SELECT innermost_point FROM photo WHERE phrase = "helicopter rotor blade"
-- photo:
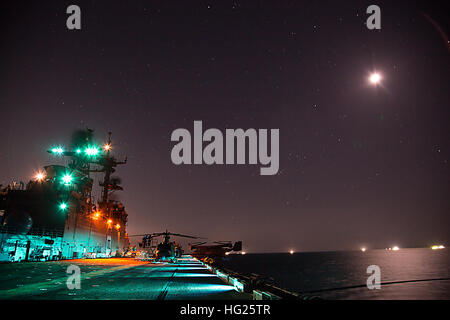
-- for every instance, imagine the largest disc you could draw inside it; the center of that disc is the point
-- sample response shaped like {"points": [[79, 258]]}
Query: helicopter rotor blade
{"points": [[199, 243], [184, 235], [140, 235], [158, 234]]}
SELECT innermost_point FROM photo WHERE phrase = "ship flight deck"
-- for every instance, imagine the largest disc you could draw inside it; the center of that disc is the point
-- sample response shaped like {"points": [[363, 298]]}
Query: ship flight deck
{"points": [[116, 279]]}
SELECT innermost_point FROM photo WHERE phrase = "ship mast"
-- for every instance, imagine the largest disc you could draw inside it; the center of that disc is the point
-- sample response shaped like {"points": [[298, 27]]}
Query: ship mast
{"points": [[89, 159], [108, 172], [108, 163]]}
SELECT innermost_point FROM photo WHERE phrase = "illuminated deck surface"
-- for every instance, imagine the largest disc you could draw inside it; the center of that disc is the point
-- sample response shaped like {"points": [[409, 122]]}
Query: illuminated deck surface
{"points": [[115, 278]]}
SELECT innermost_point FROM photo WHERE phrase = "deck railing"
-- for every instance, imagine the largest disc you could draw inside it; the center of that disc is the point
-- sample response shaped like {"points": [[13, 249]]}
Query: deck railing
{"points": [[42, 232]]}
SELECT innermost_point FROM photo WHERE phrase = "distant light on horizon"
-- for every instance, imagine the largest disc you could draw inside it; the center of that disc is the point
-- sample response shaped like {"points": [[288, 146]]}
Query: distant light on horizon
{"points": [[291, 251], [375, 78], [243, 252], [395, 248], [363, 249], [437, 247]]}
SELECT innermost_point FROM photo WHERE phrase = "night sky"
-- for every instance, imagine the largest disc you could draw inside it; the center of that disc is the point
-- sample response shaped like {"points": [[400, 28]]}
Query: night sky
{"points": [[360, 165]]}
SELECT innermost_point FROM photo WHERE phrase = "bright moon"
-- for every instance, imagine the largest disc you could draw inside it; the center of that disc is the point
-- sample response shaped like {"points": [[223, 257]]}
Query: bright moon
{"points": [[375, 78]]}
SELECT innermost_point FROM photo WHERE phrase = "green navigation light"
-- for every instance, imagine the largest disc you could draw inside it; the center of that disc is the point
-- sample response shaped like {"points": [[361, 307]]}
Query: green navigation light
{"points": [[91, 151], [63, 206], [58, 150], [78, 151], [67, 178]]}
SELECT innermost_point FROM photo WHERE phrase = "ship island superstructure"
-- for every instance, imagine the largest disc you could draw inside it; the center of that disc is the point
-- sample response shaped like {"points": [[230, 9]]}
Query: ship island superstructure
{"points": [[54, 215]]}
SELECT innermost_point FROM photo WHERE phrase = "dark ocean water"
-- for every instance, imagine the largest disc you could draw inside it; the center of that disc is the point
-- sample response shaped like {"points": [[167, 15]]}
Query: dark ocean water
{"points": [[312, 271]]}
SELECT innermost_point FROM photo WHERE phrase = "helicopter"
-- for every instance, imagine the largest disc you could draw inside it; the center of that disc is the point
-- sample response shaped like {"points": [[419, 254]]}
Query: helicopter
{"points": [[218, 250], [166, 250]]}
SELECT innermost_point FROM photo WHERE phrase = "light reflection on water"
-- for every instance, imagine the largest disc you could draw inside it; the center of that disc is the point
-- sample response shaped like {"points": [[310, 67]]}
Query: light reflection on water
{"points": [[304, 272]]}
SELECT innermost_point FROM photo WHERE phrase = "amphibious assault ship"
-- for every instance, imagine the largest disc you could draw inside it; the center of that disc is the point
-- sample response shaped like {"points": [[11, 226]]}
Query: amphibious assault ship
{"points": [[54, 215]]}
